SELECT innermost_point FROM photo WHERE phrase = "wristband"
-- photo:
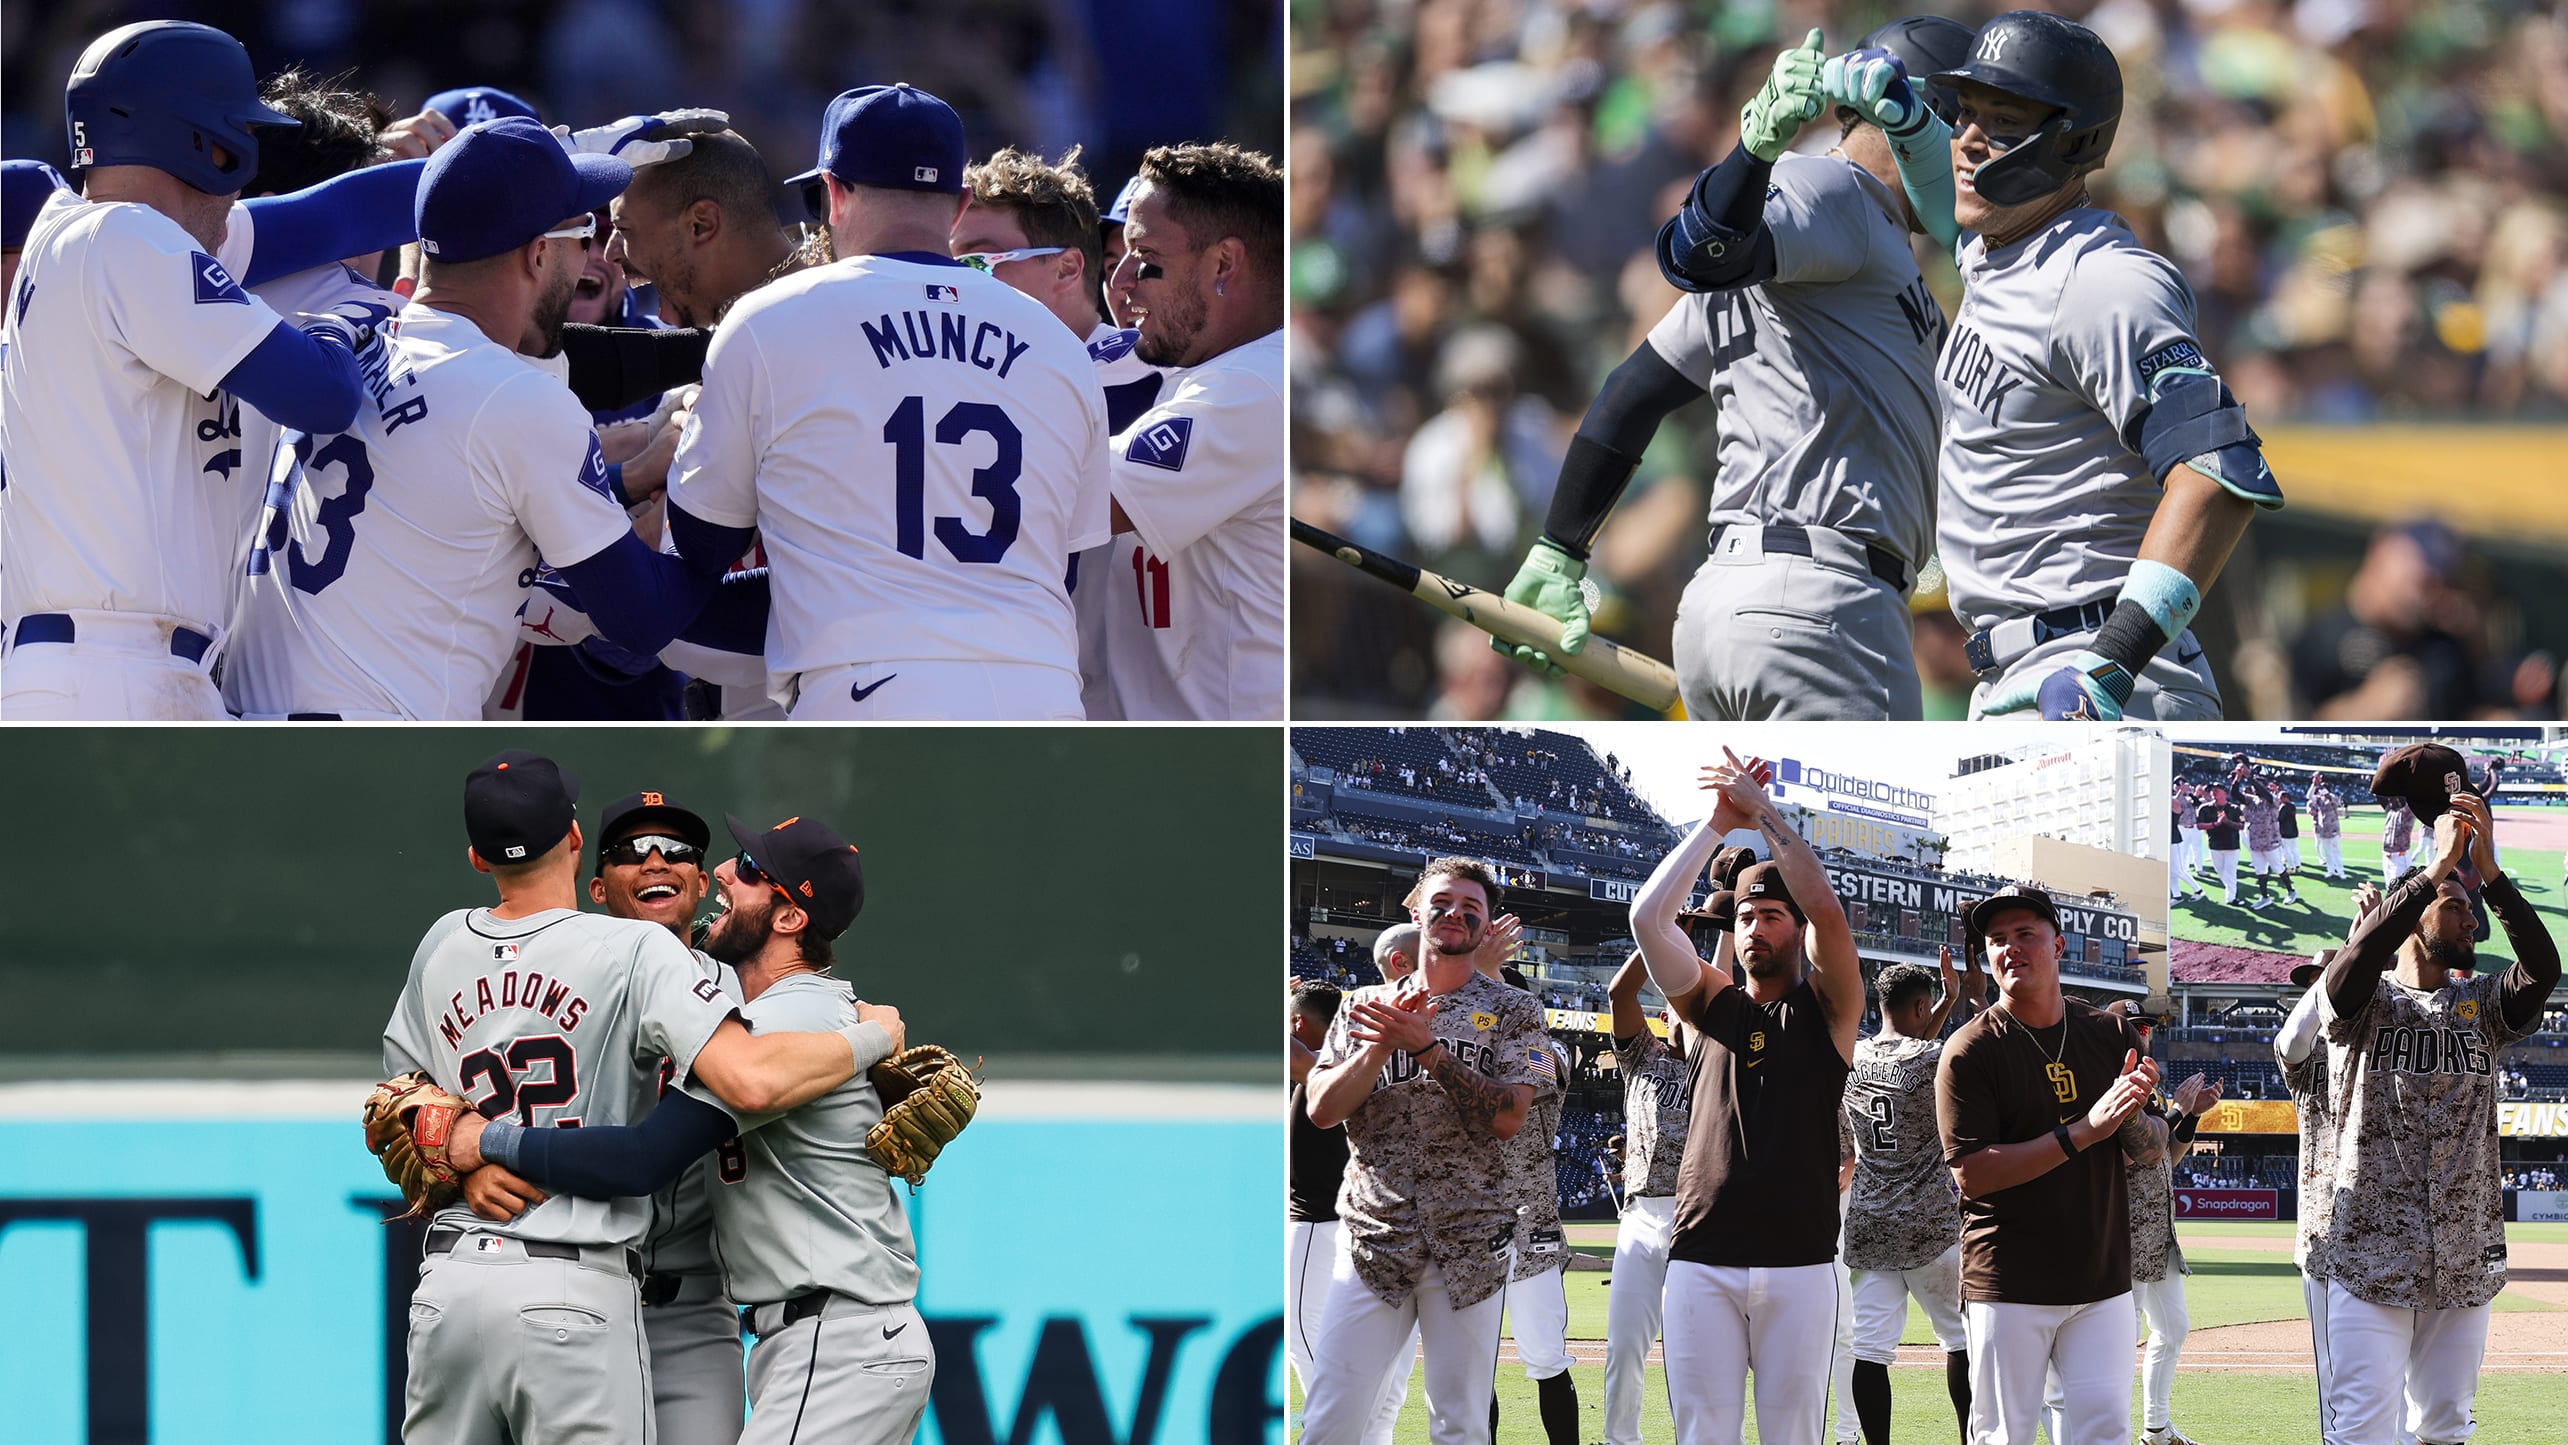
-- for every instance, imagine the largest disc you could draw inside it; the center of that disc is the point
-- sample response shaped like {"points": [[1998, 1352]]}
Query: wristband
{"points": [[498, 1143], [2183, 1133], [615, 484], [2068, 1146]]}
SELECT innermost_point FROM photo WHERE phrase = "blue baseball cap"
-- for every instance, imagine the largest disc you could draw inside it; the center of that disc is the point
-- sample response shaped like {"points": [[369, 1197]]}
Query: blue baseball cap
{"points": [[500, 184], [25, 186], [1121, 210], [893, 136], [474, 104]]}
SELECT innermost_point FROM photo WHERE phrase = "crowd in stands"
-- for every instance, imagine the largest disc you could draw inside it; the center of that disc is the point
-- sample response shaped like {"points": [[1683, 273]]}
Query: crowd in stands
{"points": [[2530, 1177]]}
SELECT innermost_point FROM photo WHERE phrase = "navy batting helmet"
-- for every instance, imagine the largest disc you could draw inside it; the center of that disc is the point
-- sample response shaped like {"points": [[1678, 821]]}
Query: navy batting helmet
{"points": [[2065, 66], [1926, 45], [166, 94]]}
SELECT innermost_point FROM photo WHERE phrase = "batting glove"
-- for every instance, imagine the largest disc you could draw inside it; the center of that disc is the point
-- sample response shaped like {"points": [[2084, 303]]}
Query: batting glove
{"points": [[2089, 687], [1548, 582], [1874, 84], [1769, 121], [355, 323], [644, 140]]}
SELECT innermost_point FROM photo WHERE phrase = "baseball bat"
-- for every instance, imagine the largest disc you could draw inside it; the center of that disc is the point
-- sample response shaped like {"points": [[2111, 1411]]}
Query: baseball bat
{"points": [[1636, 675]]}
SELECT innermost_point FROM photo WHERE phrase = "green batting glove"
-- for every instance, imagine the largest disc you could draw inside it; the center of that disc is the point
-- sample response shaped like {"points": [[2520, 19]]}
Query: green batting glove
{"points": [[1792, 95], [1548, 583]]}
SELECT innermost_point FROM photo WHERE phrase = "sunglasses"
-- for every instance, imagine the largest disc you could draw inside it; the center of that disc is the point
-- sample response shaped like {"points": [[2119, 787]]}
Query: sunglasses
{"points": [[988, 260], [746, 869], [583, 231], [673, 851]]}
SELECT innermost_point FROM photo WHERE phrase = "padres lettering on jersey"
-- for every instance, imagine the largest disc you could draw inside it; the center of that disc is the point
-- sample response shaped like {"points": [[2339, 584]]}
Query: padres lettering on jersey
{"points": [[1657, 1108]]}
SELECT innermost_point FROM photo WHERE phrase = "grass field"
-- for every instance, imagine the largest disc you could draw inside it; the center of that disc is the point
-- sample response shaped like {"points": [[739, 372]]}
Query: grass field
{"points": [[2326, 908], [2218, 1407]]}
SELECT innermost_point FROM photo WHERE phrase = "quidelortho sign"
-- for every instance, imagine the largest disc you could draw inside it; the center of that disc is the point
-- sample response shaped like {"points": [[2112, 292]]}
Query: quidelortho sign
{"points": [[1790, 773], [232, 1279]]}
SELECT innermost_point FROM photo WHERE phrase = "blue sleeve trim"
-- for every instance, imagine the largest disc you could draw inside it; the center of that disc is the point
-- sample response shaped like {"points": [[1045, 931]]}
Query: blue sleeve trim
{"points": [[736, 619], [349, 215], [1718, 240], [618, 1162], [708, 547], [638, 598], [303, 381]]}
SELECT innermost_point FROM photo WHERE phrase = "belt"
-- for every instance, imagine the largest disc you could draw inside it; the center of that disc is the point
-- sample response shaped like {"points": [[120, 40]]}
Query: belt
{"points": [[442, 1240], [666, 1289], [311, 717], [184, 642], [797, 1309], [1996, 647], [1795, 539]]}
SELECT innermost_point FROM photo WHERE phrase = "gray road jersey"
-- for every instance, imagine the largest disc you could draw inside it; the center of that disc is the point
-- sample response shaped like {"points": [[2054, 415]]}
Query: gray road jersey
{"points": [[1902, 1211], [1656, 1108], [681, 1237], [1823, 376], [810, 1208], [2044, 501], [2417, 1221], [2307, 1081], [555, 1019], [1533, 1187]]}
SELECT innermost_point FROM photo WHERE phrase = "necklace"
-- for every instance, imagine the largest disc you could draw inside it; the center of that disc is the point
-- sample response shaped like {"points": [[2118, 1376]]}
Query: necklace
{"points": [[2064, 1080]]}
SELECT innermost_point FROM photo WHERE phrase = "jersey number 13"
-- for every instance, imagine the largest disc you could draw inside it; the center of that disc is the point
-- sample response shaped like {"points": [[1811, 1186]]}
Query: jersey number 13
{"points": [[994, 484]]}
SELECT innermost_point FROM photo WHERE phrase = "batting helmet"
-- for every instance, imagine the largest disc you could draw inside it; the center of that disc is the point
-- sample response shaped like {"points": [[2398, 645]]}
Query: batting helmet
{"points": [[1926, 45], [2065, 66], [166, 94]]}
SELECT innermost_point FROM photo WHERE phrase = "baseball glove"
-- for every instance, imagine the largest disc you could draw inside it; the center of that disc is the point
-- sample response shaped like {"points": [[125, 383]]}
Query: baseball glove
{"points": [[408, 1122], [928, 1096]]}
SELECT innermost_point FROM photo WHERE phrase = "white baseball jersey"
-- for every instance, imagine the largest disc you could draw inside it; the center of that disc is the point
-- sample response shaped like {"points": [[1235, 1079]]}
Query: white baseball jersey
{"points": [[124, 461], [389, 577], [1195, 593], [921, 447], [1131, 384], [554, 1020]]}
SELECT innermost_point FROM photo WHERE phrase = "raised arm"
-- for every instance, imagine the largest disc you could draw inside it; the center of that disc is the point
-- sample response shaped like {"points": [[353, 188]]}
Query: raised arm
{"points": [[1623, 997], [2372, 949], [1665, 950], [2525, 987], [1950, 995], [1835, 971]]}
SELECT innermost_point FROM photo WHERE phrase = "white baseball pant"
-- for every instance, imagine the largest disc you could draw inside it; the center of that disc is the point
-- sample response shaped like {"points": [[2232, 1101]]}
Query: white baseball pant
{"points": [[1361, 1336], [2314, 1295], [1633, 1306], [931, 691], [1538, 1321], [2015, 1347], [1841, 1356], [119, 669], [2224, 861], [2393, 864], [2373, 1350], [1725, 1321], [2180, 880], [2292, 846], [2162, 1310], [2331, 851], [698, 1391], [2188, 848], [1881, 1306], [2273, 860], [1310, 1253]]}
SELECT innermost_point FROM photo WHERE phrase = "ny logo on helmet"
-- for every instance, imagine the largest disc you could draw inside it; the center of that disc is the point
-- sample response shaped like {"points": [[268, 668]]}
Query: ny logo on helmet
{"points": [[1993, 44]]}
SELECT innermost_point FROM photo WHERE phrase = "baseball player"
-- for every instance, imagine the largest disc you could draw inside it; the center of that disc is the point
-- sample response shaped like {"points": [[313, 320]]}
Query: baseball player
{"points": [[1751, 1275], [1903, 1228], [2262, 802], [2300, 1049], [2024, 1094], [2398, 838], [1656, 1108], [942, 595], [1537, 1280], [1110, 244], [2219, 819], [1430, 1078], [540, 1013], [135, 344], [2180, 878], [1807, 323], [2326, 819], [1195, 622], [2416, 1243], [1315, 1166], [2189, 848], [2095, 470], [25, 187]]}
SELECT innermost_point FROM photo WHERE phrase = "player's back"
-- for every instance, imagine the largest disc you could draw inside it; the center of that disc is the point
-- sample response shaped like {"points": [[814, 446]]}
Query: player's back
{"points": [[922, 448], [394, 557], [122, 463], [556, 1019]]}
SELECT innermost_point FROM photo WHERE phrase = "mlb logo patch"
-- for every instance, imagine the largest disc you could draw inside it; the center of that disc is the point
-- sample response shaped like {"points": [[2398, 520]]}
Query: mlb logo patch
{"points": [[1113, 348], [924, 175], [213, 283], [503, 953], [946, 294], [593, 470], [490, 1244], [1162, 443], [515, 850]]}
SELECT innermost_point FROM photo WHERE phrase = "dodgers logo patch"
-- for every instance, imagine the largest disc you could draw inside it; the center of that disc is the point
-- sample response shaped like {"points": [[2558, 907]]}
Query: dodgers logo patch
{"points": [[593, 470], [2181, 353], [1162, 443], [947, 294], [213, 283], [1113, 348]]}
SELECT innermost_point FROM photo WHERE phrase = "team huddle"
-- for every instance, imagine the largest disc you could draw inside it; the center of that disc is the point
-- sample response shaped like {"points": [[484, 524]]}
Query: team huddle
{"points": [[642, 1143], [1793, 1186], [2063, 446], [615, 444]]}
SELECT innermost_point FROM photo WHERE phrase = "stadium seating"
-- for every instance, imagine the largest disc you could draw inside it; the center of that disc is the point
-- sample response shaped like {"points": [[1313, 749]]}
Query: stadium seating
{"points": [[1376, 757]]}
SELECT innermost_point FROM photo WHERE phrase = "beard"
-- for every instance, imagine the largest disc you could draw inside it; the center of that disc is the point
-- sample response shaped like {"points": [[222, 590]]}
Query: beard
{"points": [[551, 310], [1170, 328], [738, 935], [1768, 965], [2448, 953]]}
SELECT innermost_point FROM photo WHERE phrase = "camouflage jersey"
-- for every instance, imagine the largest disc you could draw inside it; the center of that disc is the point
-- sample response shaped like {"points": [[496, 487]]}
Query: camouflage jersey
{"points": [[1656, 1108], [2307, 1081], [2398, 827], [1533, 1188], [2153, 1212], [2325, 809], [1902, 1212], [1421, 1188]]}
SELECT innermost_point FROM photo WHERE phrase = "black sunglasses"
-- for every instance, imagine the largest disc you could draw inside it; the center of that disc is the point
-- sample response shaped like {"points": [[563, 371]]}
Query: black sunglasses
{"points": [[673, 851]]}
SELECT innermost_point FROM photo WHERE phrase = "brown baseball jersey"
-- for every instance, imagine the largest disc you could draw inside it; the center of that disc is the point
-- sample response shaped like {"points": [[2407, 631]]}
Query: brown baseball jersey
{"points": [[2307, 1081], [1657, 1106], [1533, 1187], [2154, 1250], [1758, 1189], [1902, 1212], [1421, 1188]]}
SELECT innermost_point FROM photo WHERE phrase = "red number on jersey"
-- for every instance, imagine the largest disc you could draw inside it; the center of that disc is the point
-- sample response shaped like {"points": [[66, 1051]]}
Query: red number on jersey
{"points": [[1150, 585]]}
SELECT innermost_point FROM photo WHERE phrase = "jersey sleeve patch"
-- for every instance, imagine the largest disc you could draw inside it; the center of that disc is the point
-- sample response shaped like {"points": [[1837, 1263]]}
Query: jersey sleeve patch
{"points": [[1162, 443], [214, 284], [593, 470], [2180, 353], [1114, 347]]}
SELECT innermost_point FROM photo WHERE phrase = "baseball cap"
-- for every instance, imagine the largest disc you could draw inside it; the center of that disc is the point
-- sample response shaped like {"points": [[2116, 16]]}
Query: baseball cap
{"points": [[2416, 773], [1121, 210], [897, 137], [1763, 883], [816, 868], [25, 186], [657, 807], [2305, 974], [473, 104], [2017, 895], [517, 805], [502, 183], [1721, 908]]}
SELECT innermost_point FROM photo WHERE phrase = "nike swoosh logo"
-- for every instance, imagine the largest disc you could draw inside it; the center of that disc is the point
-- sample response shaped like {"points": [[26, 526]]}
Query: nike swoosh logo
{"points": [[859, 694], [891, 1330]]}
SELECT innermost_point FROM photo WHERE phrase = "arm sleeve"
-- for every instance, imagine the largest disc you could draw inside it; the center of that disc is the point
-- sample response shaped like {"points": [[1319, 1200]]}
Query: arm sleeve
{"points": [[707, 548], [305, 381], [1201, 457], [1925, 160], [371, 209], [176, 309], [2524, 988], [675, 1007], [639, 599], [714, 476], [617, 1161], [2371, 949], [619, 366], [2299, 1035], [1636, 397], [735, 620]]}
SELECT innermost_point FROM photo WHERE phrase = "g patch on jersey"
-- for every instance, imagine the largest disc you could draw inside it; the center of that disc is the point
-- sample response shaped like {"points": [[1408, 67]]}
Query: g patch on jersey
{"points": [[1114, 347], [1163, 443], [593, 471], [213, 283], [2180, 353]]}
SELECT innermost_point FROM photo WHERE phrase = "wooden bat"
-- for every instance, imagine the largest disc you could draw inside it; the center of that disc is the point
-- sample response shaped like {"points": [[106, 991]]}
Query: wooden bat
{"points": [[1636, 675]]}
